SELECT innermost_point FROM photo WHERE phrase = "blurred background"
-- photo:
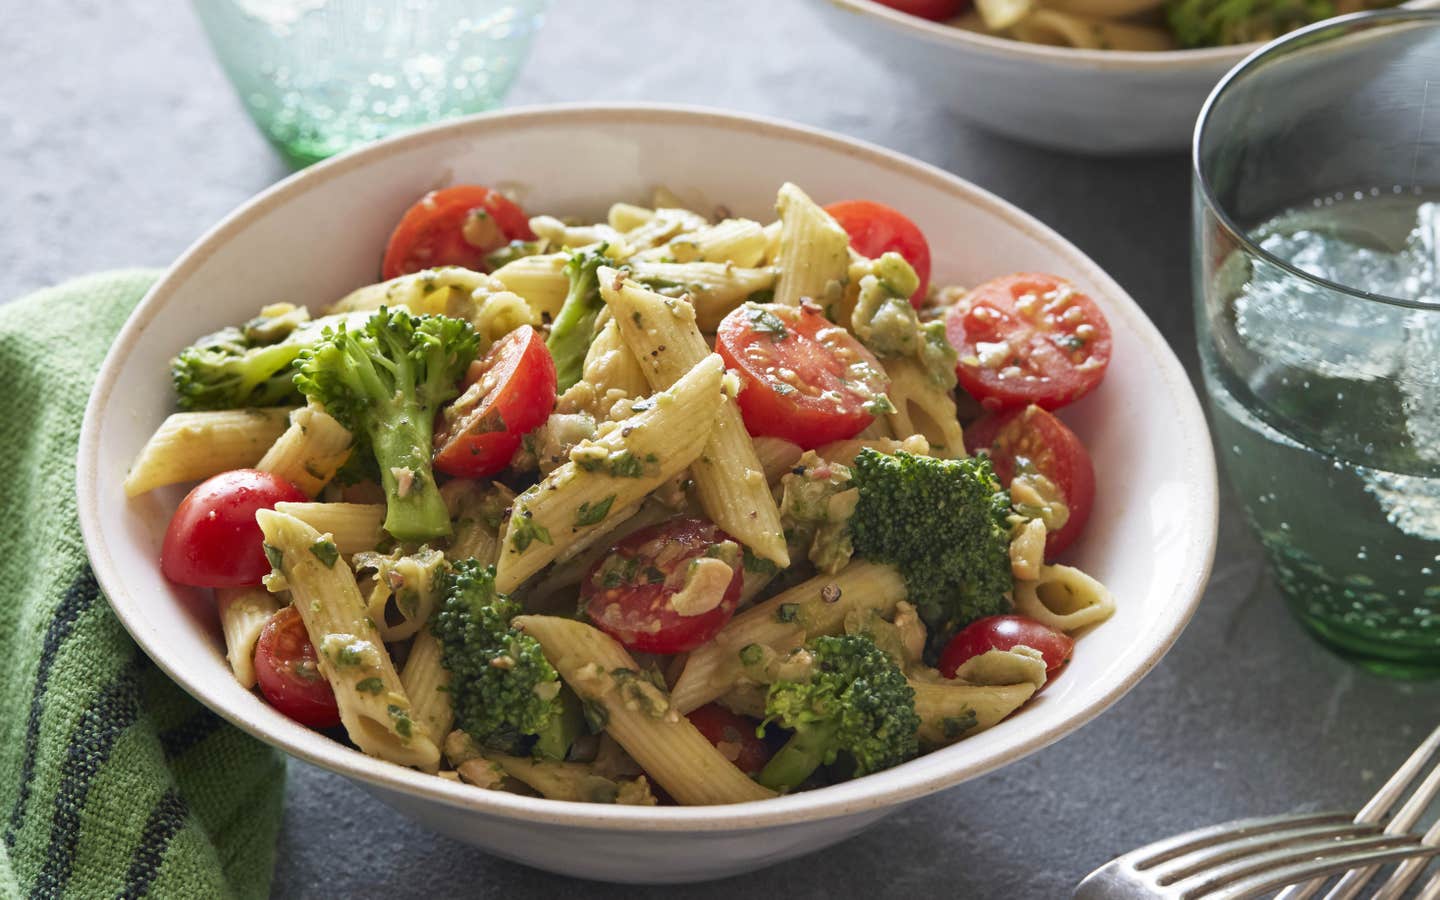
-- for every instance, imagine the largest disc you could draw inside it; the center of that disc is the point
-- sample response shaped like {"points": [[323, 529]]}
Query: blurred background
{"points": [[125, 142]]}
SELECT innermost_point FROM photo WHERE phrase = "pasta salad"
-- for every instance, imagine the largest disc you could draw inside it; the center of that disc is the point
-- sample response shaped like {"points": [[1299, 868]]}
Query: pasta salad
{"points": [[669, 508], [1134, 24]]}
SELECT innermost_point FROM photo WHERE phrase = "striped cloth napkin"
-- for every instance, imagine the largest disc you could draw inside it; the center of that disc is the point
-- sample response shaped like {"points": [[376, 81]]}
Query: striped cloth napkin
{"points": [[113, 782]]}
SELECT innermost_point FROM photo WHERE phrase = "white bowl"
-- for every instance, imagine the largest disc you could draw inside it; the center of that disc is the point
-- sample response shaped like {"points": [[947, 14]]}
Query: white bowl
{"points": [[320, 233], [1101, 102]]}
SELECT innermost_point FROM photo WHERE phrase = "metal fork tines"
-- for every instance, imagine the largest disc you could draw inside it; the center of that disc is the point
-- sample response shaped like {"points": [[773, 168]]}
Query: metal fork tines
{"points": [[1245, 858], [1253, 856]]}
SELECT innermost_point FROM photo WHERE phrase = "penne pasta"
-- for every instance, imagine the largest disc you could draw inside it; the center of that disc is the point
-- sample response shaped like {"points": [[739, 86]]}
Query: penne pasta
{"points": [[243, 613], [638, 715], [813, 253], [427, 292], [373, 705], [810, 609], [352, 526], [427, 685], [729, 478], [310, 451], [713, 288], [190, 446], [613, 472], [951, 711], [540, 280]]}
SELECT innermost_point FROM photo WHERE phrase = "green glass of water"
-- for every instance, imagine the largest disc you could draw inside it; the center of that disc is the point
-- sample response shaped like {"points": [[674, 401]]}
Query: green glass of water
{"points": [[322, 76], [1317, 242]]}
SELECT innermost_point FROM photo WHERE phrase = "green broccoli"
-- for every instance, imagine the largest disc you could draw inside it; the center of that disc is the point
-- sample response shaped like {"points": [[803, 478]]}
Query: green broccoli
{"points": [[855, 701], [574, 326], [252, 365], [385, 380], [502, 688], [944, 524], [1213, 23]]}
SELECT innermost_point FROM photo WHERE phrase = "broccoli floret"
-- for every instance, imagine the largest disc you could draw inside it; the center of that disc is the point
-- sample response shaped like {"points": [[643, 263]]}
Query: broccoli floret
{"points": [[944, 524], [855, 701], [253, 365], [1213, 23], [502, 688], [386, 379], [575, 323]]}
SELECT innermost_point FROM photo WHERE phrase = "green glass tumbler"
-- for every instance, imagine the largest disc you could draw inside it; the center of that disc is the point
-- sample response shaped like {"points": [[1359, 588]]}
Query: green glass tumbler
{"points": [[322, 76], [1317, 266]]}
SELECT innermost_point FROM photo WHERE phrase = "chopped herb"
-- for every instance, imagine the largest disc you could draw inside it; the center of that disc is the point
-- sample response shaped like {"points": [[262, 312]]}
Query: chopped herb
{"points": [[347, 655], [751, 654], [654, 575], [1071, 342], [782, 388], [766, 322], [788, 612], [273, 554], [371, 685], [589, 515], [761, 296], [758, 564], [401, 718], [625, 465], [642, 404], [955, 726], [879, 405], [525, 532], [324, 551], [596, 715]]}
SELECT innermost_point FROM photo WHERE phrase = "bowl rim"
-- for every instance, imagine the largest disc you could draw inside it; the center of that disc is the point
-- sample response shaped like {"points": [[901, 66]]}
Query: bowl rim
{"points": [[1138, 60], [874, 793]]}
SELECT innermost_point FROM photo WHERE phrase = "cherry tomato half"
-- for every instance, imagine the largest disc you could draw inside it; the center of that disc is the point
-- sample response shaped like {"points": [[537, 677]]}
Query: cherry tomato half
{"points": [[733, 735], [875, 229], [213, 539], [1032, 439], [934, 10], [288, 671], [1005, 633], [507, 393], [454, 226], [804, 378], [630, 593], [1028, 338]]}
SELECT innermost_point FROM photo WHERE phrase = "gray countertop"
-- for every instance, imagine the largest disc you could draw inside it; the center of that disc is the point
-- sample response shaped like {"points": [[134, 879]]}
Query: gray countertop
{"points": [[122, 142]]}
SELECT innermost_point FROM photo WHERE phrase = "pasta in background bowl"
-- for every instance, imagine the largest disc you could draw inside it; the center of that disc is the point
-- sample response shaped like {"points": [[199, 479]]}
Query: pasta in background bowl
{"points": [[1087, 76], [257, 255]]}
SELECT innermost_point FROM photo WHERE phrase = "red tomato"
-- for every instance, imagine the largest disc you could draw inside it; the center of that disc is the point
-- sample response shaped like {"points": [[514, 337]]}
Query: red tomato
{"points": [[875, 228], [509, 392], [289, 674], [934, 10], [1033, 439], [438, 231], [804, 378], [213, 539], [629, 593], [733, 735], [1004, 633], [1028, 338]]}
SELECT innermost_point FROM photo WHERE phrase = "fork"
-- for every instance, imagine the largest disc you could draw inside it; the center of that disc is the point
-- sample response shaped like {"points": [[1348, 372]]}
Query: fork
{"points": [[1249, 857]]}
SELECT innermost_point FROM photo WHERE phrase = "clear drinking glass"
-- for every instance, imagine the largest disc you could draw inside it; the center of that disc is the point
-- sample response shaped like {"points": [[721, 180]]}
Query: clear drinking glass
{"points": [[1317, 266], [321, 76]]}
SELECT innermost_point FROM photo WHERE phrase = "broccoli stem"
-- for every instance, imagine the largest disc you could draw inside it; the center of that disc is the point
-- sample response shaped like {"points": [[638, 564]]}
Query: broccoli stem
{"points": [[414, 509], [574, 325], [554, 740], [801, 755]]}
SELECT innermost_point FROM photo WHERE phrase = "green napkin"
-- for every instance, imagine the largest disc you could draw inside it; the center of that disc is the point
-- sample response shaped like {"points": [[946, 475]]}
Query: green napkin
{"points": [[113, 782]]}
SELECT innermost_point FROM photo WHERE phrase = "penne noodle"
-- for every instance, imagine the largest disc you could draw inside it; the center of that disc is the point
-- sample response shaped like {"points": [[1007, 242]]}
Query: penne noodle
{"points": [[190, 446], [729, 479]]}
